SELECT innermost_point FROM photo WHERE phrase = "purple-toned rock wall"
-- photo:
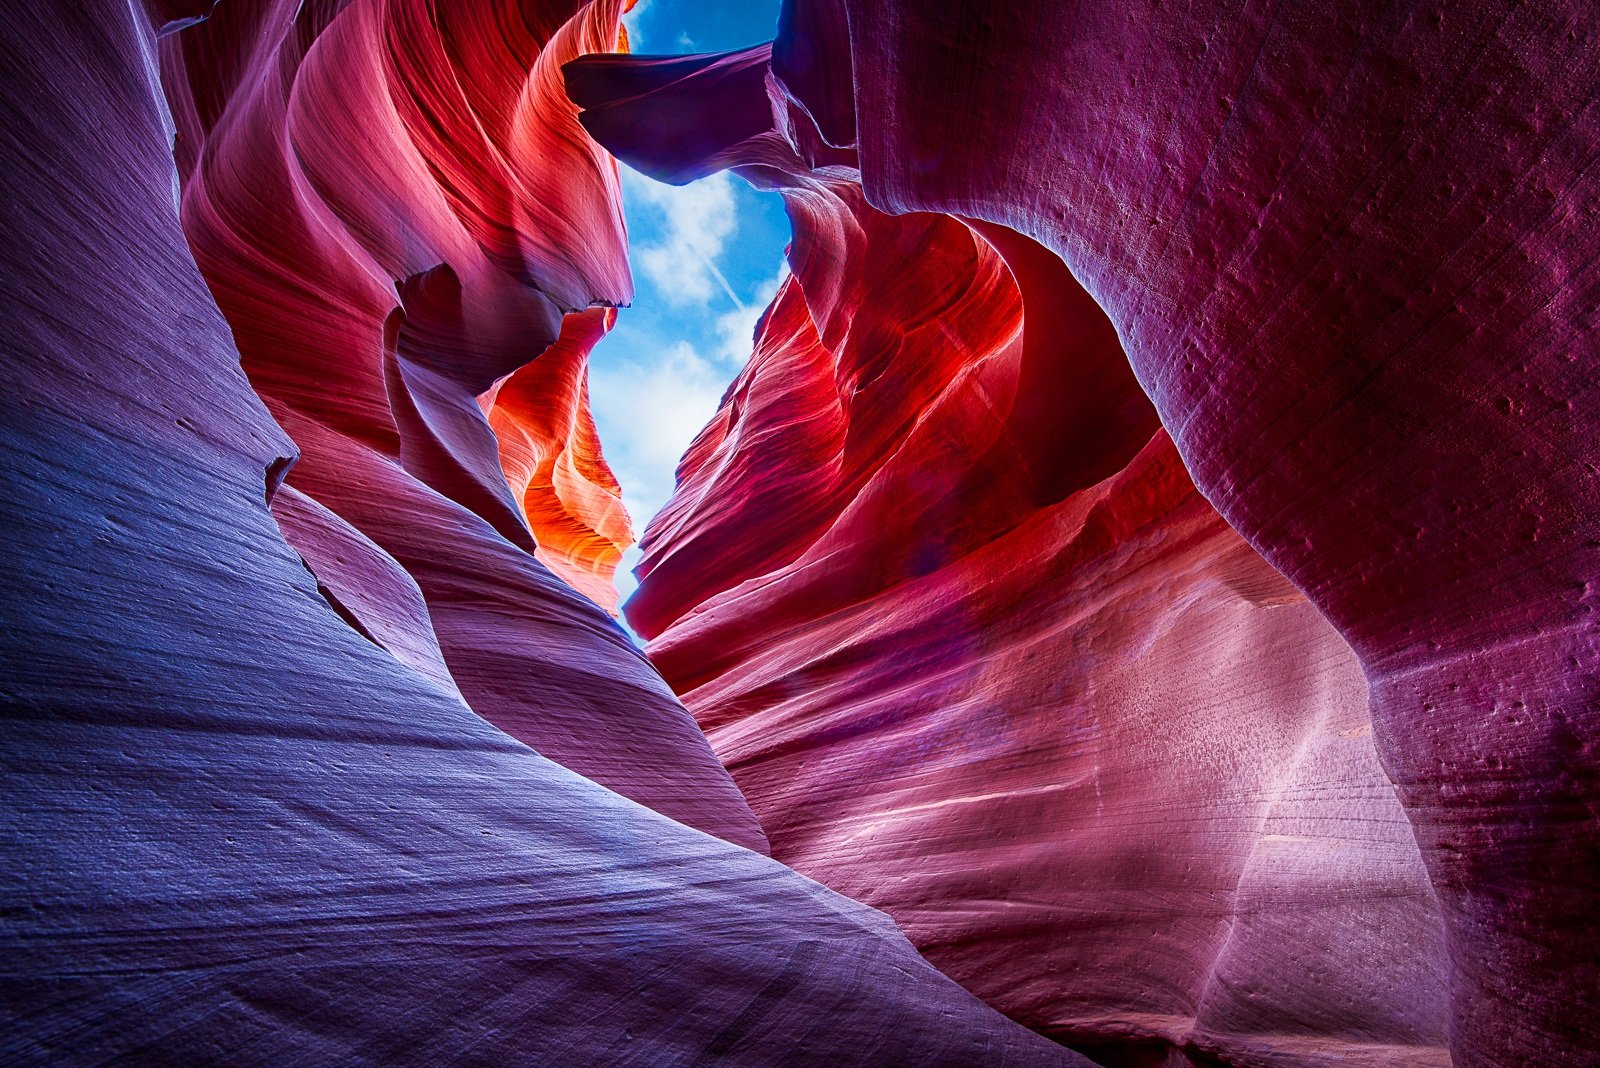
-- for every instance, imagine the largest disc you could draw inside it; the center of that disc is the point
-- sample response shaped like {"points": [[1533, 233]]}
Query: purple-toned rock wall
{"points": [[1149, 554], [244, 821], [1349, 253]]}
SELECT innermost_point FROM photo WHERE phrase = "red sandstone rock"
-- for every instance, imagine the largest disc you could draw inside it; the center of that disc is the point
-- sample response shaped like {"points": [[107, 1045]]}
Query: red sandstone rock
{"points": [[1035, 695], [248, 816], [392, 231], [1093, 754], [1350, 250], [1022, 687]]}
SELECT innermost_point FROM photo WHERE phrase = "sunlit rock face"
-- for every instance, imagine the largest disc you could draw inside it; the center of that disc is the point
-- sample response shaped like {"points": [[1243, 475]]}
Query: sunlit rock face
{"points": [[550, 452], [973, 644], [396, 210], [940, 590], [258, 809]]}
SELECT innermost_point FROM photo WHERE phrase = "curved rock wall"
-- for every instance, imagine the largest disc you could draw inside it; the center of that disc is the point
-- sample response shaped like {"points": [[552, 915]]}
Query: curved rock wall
{"points": [[1350, 250], [1343, 250], [949, 607], [396, 210], [313, 747], [250, 816]]}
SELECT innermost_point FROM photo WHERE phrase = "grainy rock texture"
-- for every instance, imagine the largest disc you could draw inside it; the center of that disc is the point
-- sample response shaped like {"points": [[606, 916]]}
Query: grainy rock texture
{"points": [[994, 665], [249, 817]]}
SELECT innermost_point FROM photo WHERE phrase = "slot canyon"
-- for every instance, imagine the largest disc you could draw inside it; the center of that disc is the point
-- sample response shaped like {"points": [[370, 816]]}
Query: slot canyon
{"points": [[1133, 603]]}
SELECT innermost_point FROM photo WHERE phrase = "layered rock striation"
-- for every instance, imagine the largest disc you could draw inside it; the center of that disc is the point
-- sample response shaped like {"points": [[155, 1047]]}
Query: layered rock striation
{"points": [[397, 212], [294, 716], [1149, 553], [948, 605], [938, 583]]}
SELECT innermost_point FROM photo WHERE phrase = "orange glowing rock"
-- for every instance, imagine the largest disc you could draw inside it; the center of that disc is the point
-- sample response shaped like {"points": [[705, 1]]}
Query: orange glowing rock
{"points": [[550, 451]]}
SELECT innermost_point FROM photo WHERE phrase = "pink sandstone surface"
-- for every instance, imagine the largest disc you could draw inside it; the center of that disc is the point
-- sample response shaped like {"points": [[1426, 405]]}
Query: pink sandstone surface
{"points": [[1149, 553], [1005, 673]]}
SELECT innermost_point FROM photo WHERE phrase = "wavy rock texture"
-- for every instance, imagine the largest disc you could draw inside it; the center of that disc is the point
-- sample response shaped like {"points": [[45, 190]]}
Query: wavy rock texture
{"points": [[550, 451], [242, 829], [1013, 679], [947, 603], [395, 208]]}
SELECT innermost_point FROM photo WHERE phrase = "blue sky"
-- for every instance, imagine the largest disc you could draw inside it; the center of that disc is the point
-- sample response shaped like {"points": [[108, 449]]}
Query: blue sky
{"points": [[707, 258]]}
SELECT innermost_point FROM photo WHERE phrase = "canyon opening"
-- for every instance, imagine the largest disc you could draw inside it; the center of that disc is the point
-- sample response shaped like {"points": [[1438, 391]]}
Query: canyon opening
{"points": [[1104, 496]]}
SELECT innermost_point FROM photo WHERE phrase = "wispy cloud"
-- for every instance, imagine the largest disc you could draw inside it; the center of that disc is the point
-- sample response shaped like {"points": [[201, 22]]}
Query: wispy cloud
{"points": [[633, 23], [692, 225], [733, 330], [654, 403], [655, 382], [655, 398]]}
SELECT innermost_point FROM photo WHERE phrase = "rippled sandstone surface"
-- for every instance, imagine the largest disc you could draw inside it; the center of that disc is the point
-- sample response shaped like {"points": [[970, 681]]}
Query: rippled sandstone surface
{"points": [[995, 665], [1149, 554], [279, 638]]}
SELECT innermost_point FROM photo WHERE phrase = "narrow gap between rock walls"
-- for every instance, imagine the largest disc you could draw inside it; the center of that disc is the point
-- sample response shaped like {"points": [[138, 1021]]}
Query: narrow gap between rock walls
{"points": [[706, 258]]}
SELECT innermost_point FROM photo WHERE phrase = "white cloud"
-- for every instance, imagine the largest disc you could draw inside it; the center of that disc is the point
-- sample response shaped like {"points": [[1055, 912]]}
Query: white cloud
{"points": [[630, 22], [656, 381], [651, 402], [734, 330], [693, 225], [653, 408]]}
